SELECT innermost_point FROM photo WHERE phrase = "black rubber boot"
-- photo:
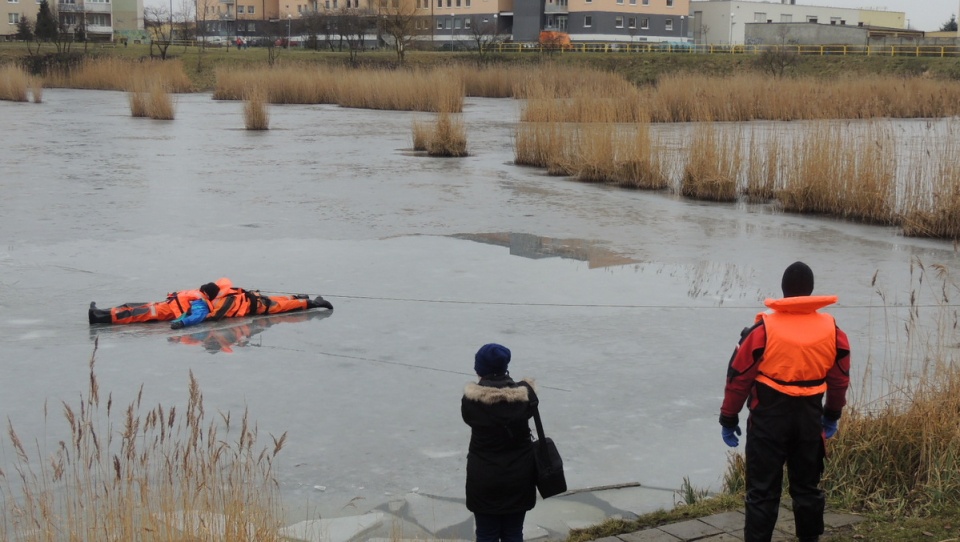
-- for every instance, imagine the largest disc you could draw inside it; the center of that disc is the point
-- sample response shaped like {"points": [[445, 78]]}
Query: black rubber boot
{"points": [[98, 316], [319, 302]]}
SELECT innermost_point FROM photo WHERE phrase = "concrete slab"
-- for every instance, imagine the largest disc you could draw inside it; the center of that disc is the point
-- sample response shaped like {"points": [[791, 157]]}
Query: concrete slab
{"points": [[690, 529], [722, 537], [332, 530], [786, 523], [649, 535], [638, 500], [727, 521]]}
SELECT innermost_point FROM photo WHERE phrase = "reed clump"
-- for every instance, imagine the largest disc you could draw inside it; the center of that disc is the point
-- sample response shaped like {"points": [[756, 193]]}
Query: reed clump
{"points": [[449, 138], [422, 132], [14, 84], [255, 115], [121, 474], [713, 169], [901, 454], [113, 73], [438, 90], [843, 172], [931, 199]]}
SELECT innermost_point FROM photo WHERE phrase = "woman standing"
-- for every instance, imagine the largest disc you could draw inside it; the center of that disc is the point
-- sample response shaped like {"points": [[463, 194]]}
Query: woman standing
{"points": [[501, 471]]}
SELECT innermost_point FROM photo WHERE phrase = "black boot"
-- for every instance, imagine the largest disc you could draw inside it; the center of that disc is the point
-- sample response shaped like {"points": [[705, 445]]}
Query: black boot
{"points": [[98, 316], [319, 302]]}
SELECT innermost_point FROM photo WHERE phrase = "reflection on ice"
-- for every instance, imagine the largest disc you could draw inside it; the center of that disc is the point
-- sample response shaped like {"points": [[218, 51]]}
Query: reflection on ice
{"points": [[221, 339]]}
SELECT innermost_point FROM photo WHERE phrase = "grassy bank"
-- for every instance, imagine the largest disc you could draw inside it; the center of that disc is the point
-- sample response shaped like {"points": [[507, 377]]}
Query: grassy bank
{"points": [[634, 67]]}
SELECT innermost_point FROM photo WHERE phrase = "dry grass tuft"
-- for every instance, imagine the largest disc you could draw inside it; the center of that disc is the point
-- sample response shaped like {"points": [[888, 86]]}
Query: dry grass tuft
{"points": [[713, 170], [931, 200], [14, 83], [449, 137], [159, 102], [422, 132], [255, 115], [113, 73], [151, 477]]}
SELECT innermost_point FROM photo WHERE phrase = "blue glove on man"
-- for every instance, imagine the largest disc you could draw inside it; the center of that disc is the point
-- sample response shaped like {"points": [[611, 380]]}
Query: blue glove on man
{"points": [[829, 426], [729, 435]]}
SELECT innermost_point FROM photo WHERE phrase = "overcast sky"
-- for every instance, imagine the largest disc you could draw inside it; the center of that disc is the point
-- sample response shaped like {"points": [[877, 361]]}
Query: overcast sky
{"points": [[921, 14]]}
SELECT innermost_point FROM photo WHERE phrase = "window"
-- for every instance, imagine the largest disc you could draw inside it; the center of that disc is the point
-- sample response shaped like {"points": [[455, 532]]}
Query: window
{"points": [[812, 19], [588, 21], [250, 10], [618, 22], [468, 3], [669, 3], [14, 2], [439, 3], [786, 18], [466, 22], [326, 4], [456, 24], [98, 19], [449, 3], [668, 24], [561, 22], [239, 9], [449, 24], [13, 18], [458, 3], [632, 22], [620, 2], [633, 2], [644, 23], [834, 20], [759, 17], [646, 2], [439, 25]]}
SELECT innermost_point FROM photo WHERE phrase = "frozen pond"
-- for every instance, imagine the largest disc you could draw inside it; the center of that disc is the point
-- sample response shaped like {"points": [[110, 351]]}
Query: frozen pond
{"points": [[623, 305]]}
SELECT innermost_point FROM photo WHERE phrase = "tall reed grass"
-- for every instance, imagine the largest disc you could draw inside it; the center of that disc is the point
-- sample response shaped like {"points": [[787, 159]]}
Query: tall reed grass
{"points": [[932, 193], [113, 73], [446, 137], [255, 115], [163, 475], [16, 85], [439, 90], [713, 170]]}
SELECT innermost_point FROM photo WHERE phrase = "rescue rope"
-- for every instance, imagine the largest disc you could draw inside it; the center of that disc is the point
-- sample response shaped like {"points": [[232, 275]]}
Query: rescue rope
{"points": [[835, 306]]}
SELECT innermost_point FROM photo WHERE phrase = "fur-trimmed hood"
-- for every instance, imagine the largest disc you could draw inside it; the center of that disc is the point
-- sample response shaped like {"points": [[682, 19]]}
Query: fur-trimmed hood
{"points": [[489, 395]]}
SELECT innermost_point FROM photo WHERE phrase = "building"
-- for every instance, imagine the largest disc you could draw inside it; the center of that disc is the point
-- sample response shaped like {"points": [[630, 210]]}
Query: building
{"points": [[724, 21], [101, 19], [459, 21]]}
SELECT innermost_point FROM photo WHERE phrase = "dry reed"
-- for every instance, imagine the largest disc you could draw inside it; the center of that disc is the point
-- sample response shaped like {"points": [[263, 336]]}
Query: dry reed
{"points": [[112, 73], [932, 195], [439, 90], [422, 132], [122, 475], [449, 137], [901, 454], [159, 102], [763, 168], [255, 115], [14, 83], [713, 170], [842, 172]]}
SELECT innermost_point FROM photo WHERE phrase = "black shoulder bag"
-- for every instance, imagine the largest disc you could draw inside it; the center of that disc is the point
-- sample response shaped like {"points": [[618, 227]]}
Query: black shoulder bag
{"points": [[550, 478]]}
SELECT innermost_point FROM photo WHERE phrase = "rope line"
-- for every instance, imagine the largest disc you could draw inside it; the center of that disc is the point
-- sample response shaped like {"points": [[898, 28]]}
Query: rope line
{"points": [[601, 305]]}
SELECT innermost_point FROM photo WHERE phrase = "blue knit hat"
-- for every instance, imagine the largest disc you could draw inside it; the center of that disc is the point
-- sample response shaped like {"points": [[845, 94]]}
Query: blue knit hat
{"points": [[491, 359]]}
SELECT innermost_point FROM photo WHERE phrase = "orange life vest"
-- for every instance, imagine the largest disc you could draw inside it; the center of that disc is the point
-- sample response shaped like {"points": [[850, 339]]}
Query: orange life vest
{"points": [[801, 345], [180, 301]]}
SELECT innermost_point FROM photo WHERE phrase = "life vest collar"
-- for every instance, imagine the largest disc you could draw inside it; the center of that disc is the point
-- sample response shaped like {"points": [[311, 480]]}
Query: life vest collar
{"points": [[800, 304]]}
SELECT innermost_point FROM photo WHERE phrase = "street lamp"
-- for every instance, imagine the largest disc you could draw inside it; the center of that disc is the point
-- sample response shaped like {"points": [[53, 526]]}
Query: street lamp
{"points": [[730, 40], [289, 19], [682, 35]]}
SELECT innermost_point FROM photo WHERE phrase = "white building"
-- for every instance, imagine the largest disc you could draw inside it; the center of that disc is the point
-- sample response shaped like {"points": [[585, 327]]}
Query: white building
{"points": [[722, 22]]}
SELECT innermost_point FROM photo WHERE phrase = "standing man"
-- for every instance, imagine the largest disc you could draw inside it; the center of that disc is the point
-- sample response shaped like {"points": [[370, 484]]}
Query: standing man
{"points": [[785, 364]]}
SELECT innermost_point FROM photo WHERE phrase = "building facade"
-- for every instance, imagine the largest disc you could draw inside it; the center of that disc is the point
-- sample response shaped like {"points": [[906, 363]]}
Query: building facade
{"points": [[723, 22], [101, 20]]}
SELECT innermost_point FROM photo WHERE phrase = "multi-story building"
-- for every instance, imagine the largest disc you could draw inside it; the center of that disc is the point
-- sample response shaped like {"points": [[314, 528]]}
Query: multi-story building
{"points": [[451, 21], [724, 21], [101, 19]]}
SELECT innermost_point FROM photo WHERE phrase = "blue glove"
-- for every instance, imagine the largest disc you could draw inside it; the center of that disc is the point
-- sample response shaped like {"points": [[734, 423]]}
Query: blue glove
{"points": [[177, 324], [729, 435], [829, 426]]}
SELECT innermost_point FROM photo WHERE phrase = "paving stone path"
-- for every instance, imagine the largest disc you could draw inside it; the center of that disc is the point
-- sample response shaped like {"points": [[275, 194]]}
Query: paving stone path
{"points": [[726, 527]]}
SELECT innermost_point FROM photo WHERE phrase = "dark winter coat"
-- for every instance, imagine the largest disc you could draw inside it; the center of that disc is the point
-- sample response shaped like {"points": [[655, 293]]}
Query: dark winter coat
{"points": [[501, 472]]}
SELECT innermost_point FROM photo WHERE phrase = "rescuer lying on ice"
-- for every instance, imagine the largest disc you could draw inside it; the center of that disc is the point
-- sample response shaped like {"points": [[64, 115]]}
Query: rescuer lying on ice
{"points": [[212, 300]]}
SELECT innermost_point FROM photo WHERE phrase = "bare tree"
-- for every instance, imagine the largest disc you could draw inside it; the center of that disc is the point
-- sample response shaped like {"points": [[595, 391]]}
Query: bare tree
{"points": [[399, 22], [156, 20], [352, 26], [777, 58], [485, 33]]}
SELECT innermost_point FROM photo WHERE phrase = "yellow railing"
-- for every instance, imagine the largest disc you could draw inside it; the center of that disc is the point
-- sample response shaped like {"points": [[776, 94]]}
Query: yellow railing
{"points": [[815, 50]]}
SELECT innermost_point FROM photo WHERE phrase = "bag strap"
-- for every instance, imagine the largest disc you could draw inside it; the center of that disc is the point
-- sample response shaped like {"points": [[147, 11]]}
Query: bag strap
{"points": [[535, 402]]}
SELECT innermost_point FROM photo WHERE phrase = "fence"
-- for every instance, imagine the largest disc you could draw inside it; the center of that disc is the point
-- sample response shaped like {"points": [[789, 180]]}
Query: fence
{"points": [[943, 51]]}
